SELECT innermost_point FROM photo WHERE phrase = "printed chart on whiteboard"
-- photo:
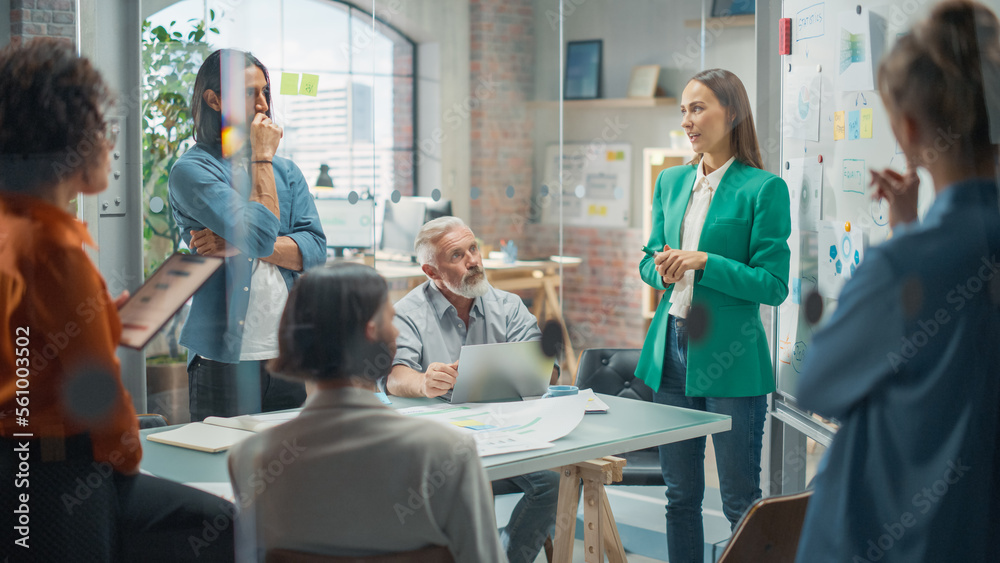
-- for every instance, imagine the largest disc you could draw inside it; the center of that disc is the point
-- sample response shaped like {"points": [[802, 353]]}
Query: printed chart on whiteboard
{"points": [[596, 184]]}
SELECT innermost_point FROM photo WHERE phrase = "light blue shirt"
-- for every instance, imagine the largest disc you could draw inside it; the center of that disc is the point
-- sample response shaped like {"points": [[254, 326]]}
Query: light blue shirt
{"points": [[909, 365], [430, 330]]}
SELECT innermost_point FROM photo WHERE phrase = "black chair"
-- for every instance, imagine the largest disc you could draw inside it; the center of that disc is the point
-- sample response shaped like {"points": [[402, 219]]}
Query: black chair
{"points": [[73, 501], [612, 371], [152, 421]]}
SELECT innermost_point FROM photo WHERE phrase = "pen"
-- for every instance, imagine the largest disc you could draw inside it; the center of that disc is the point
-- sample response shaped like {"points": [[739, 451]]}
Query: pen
{"points": [[649, 251]]}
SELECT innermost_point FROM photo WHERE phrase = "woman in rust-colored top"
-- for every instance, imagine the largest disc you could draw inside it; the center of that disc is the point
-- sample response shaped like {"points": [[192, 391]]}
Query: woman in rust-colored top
{"points": [[69, 437]]}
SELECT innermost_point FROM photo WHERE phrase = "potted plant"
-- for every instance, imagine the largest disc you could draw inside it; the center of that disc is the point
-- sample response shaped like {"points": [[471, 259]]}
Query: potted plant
{"points": [[171, 57]]}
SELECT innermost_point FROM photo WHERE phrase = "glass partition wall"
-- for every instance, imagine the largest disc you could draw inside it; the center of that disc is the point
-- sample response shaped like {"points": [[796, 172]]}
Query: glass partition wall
{"points": [[542, 124]]}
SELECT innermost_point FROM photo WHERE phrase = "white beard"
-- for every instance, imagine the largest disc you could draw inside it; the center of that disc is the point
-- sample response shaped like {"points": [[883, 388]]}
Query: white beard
{"points": [[469, 290]]}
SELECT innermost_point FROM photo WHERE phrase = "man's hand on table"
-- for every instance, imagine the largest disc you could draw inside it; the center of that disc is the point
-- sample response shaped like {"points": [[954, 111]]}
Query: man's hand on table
{"points": [[439, 378]]}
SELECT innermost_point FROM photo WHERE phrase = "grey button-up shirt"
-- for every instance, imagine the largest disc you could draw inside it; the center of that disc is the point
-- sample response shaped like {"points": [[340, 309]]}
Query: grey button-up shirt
{"points": [[430, 330]]}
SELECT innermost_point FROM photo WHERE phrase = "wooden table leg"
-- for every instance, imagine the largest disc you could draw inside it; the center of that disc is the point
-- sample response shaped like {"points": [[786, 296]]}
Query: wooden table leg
{"points": [[569, 502], [600, 533]]}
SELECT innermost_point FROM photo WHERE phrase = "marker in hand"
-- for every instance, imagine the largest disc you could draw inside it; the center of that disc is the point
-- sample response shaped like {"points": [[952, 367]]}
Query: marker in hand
{"points": [[649, 251]]}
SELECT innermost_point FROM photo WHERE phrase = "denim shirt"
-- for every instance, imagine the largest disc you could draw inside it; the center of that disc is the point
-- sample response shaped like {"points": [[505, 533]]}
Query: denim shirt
{"points": [[207, 191], [908, 364]]}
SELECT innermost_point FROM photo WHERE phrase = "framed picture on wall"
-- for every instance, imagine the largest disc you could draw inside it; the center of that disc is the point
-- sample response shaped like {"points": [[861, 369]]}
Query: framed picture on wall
{"points": [[583, 70], [723, 8], [642, 83]]}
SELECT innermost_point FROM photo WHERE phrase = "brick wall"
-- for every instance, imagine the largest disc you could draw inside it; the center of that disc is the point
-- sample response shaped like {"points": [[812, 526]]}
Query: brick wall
{"points": [[42, 18], [402, 119], [502, 79], [601, 297]]}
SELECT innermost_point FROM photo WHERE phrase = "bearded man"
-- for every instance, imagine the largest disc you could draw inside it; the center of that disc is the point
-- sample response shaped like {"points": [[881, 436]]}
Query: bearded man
{"points": [[456, 307]]}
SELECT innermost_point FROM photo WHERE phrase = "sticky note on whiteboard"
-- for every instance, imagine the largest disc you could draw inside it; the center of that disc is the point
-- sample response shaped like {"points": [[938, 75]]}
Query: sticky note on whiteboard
{"points": [[289, 84], [867, 116], [853, 125], [838, 126]]}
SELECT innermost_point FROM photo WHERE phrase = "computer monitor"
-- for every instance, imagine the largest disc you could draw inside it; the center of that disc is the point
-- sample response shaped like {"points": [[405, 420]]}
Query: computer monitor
{"points": [[346, 224], [402, 221], [434, 209]]}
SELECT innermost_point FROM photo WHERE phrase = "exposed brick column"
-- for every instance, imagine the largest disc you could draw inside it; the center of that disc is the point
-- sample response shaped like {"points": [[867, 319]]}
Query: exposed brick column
{"points": [[42, 18], [402, 119], [502, 144]]}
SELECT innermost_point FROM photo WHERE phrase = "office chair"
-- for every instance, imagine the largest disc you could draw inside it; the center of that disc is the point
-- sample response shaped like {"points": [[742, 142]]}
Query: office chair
{"points": [[152, 421], [432, 554], [73, 507], [769, 531], [612, 371]]}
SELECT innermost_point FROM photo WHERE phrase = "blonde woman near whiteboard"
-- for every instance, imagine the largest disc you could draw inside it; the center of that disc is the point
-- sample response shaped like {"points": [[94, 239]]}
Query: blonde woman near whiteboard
{"points": [[908, 362], [723, 225]]}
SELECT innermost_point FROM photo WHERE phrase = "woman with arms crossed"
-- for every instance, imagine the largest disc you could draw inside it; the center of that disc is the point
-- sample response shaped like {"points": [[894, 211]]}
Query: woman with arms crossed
{"points": [[723, 225]]}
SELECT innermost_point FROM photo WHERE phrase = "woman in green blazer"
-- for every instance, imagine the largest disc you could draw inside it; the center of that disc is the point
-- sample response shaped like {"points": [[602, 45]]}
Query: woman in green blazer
{"points": [[723, 225]]}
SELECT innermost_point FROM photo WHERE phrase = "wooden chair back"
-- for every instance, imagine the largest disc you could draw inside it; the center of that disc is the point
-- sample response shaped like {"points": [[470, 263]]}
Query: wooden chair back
{"points": [[769, 531]]}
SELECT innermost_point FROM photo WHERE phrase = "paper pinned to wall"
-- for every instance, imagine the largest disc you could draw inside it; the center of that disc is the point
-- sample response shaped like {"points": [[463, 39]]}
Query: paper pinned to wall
{"points": [[802, 106], [596, 184], [840, 253], [861, 39], [805, 190]]}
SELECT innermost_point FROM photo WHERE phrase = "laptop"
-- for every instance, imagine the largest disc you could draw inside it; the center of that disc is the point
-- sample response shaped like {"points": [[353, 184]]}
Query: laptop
{"points": [[511, 371]]}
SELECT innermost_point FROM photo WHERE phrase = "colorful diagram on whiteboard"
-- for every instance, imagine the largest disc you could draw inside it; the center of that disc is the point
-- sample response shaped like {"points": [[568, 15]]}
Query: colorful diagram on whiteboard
{"points": [[841, 252], [848, 256]]}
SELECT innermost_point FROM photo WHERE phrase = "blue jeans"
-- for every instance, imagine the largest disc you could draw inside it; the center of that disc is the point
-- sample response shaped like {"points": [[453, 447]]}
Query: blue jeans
{"points": [[534, 516], [737, 454]]}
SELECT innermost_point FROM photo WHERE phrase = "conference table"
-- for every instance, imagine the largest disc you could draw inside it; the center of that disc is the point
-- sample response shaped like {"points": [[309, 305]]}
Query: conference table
{"points": [[583, 454]]}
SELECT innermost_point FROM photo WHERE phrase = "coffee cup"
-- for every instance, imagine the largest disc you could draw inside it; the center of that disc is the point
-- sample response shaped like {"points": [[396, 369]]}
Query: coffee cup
{"points": [[561, 391]]}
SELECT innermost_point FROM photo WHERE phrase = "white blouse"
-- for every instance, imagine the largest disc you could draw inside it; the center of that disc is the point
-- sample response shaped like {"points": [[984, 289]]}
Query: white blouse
{"points": [[694, 220]]}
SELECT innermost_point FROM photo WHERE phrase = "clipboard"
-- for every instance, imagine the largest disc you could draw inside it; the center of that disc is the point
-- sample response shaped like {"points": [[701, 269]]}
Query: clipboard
{"points": [[163, 294]]}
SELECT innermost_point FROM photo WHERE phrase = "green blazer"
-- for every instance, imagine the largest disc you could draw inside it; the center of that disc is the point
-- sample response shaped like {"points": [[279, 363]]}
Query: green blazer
{"points": [[746, 237]]}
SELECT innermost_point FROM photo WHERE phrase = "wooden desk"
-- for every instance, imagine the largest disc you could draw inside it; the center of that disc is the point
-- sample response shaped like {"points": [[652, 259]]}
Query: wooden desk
{"points": [[541, 276]]}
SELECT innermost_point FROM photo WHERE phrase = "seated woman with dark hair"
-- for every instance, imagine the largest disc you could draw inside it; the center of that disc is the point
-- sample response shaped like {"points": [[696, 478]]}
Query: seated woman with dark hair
{"points": [[66, 422], [349, 476]]}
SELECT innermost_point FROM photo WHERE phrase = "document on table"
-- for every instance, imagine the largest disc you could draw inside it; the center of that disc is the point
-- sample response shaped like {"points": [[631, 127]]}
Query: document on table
{"points": [[500, 428], [217, 434], [594, 404]]}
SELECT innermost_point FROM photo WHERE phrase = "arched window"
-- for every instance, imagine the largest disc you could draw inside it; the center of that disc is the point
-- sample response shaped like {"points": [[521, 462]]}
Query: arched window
{"points": [[358, 122]]}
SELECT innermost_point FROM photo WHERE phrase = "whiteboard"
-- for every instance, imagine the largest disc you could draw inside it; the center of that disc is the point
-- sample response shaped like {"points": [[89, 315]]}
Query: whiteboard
{"points": [[834, 129], [596, 184]]}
